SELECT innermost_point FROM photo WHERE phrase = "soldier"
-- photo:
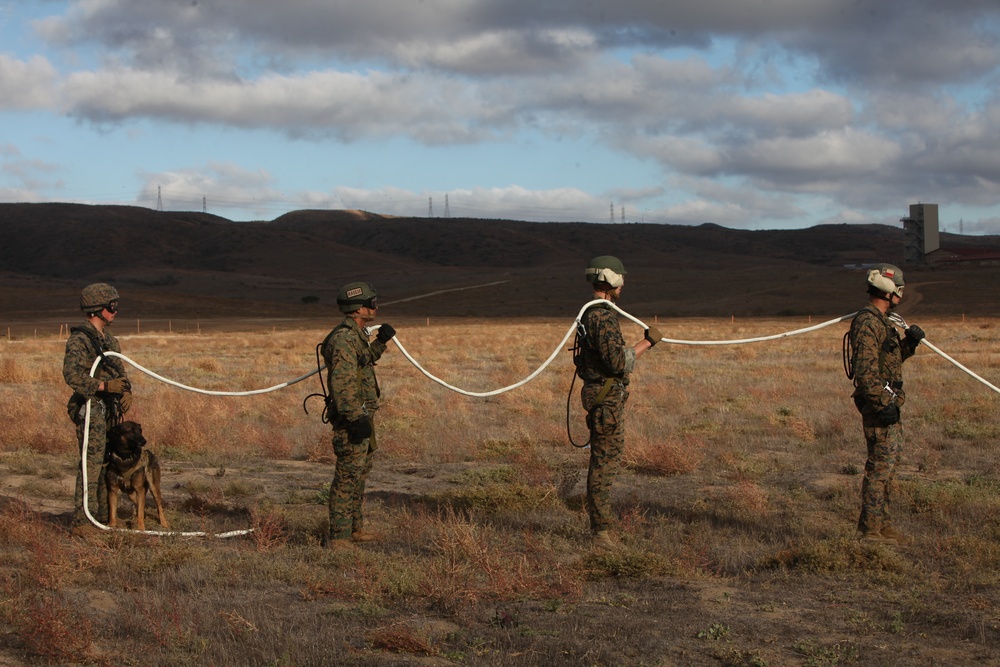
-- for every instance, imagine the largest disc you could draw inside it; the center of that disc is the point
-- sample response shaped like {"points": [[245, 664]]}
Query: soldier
{"points": [[876, 356], [604, 364], [109, 389], [352, 400]]}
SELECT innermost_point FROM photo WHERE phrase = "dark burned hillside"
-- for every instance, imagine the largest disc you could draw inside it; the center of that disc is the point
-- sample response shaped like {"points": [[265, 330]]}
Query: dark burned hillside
{"points": [[200, 265]]}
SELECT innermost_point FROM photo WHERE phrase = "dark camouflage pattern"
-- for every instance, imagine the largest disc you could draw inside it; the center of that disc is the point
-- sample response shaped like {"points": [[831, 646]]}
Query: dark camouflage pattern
{"points": [[347, 490], [97, 485], [351, 382], [354, 394], [604, 355], [877, 360], [77, 361], [885, 448]]}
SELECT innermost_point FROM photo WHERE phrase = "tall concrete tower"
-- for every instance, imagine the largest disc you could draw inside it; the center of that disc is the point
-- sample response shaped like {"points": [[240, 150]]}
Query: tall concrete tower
{"points": [[920, 233]]}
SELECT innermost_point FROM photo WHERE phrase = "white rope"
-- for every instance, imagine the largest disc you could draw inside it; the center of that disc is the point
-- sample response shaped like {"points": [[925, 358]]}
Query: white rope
{"points": [[86, 439], [571, 330], [898, 320], [483, 394], [477, 394]]}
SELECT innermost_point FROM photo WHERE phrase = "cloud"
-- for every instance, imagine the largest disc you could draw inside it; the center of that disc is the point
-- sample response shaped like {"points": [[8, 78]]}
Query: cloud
{"points": [[26, 177], [555, 205], [817, 105], [218, 186], [26, 85]]}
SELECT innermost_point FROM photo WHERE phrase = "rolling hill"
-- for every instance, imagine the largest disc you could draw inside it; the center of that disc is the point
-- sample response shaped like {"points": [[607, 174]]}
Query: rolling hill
{"points": [[196, 265]]}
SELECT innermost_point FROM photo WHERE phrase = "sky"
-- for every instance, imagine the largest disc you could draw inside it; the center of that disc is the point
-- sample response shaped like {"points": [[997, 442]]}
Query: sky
{"points": [[751, 114]]}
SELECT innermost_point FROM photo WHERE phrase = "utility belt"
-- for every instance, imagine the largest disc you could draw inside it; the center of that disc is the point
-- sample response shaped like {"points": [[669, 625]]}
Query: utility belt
{"points": [[862, 405], [104, 402], [606, 387]]}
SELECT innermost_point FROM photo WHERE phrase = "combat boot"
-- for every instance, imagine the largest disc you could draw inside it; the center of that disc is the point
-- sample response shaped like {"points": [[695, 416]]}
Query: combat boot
{"points": [[891, 533], [363, 536], [602, 541], [876, 537], [335, 543]]}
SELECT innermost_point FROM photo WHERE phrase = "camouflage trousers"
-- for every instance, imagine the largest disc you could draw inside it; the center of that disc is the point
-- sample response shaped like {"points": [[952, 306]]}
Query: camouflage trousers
{"points": [[347, 490], [607, 442], [885, 446], [97, 485]]}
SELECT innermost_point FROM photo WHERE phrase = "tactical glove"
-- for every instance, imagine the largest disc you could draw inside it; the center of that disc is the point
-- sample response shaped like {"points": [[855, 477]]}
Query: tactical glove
{"points": [[915, 334], [125, 401], [653, 335], [360, 429], [385, 333], [889, 415], [117, 386]]}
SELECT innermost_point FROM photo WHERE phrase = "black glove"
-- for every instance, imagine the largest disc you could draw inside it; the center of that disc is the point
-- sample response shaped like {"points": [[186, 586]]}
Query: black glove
{"points": [[117, 386], [915, 334], [653, 335], [385, 333], [360, 429], [888, 415]]}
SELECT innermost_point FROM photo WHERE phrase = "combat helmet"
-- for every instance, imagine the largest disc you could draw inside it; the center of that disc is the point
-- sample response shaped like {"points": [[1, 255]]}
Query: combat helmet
{"points": [[97, 296], [606, 269], [354, 295], [886, 279]]}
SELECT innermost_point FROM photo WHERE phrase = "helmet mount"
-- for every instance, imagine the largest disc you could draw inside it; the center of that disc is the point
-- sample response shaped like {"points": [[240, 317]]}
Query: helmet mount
{"points": [[886, 279]]}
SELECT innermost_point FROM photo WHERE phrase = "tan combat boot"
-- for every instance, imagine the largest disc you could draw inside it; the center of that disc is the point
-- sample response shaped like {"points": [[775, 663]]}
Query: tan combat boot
{"points": [[892, 534], [364, 536], [602, 541], [876, 537]]}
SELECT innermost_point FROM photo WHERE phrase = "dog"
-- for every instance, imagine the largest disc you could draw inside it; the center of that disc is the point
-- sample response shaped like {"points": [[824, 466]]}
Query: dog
{"points": [[133, 470]]}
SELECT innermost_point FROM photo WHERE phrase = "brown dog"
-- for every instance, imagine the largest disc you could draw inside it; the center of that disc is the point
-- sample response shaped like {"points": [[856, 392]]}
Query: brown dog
{"points": [[134, 470]]}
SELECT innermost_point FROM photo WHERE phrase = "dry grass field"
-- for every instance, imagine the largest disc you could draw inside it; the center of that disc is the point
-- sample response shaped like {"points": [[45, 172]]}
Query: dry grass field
{"points": [[737, 509]]}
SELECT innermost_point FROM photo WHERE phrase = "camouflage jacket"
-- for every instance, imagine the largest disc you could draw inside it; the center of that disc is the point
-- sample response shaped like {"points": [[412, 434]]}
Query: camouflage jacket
{"points": [[603, 351], [877, 359], [350, 361], [80, 355]]}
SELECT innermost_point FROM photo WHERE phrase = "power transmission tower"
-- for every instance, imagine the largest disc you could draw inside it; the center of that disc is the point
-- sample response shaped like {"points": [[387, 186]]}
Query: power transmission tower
{"points": [[612, 213], [159, 199], [430, 207], [447, 210], [204, 204], [623, 214]]}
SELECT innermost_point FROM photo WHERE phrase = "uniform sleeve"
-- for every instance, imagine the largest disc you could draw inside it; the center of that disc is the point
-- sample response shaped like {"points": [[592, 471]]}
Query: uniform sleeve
{"points": [[344, 376], [617, 357], [77, 361], [377, 348], [868, 335]]}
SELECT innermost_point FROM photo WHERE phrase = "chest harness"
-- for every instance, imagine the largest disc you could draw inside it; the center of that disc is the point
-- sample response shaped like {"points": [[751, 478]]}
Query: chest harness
{"points": [[115, 413], [328, 401], [579, 350]]}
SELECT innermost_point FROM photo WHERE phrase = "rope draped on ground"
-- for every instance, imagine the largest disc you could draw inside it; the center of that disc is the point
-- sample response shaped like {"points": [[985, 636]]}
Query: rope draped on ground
{"points": [[475, 394]]}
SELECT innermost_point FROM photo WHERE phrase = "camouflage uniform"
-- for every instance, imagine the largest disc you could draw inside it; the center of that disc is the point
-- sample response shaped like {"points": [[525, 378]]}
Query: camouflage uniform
{"points": [[605, 361], [104, 410], [877, 360], [353, 395]]}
